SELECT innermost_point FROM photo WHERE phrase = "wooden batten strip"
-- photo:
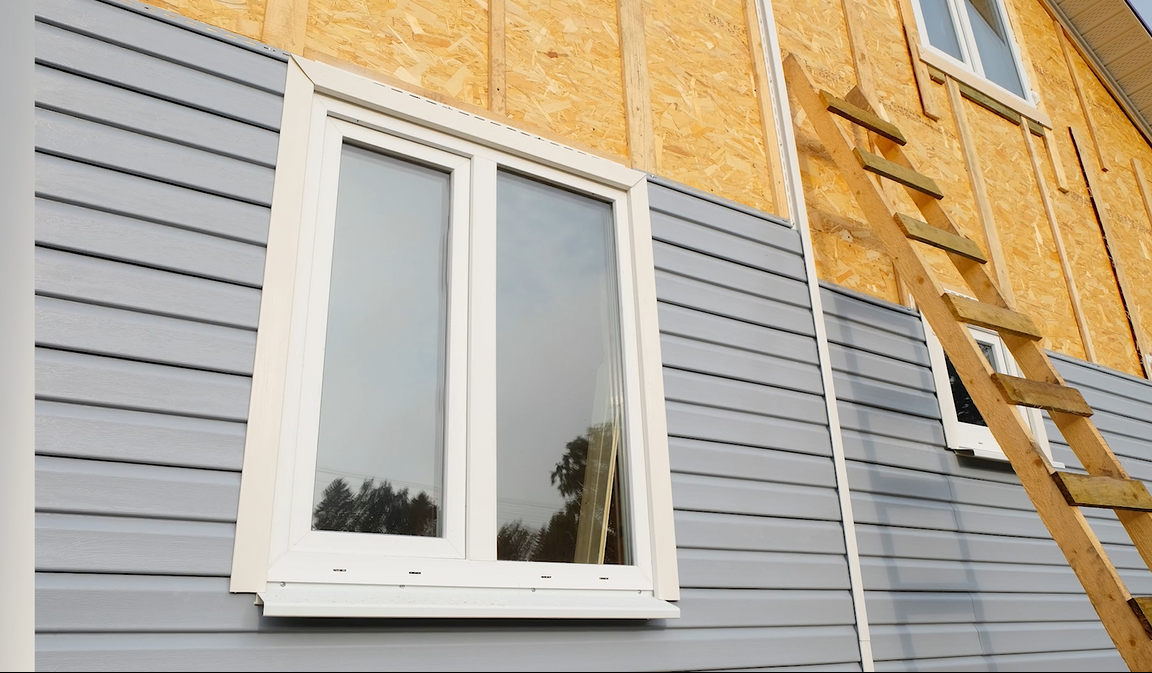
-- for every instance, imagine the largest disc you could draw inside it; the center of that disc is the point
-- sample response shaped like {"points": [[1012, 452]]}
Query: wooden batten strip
{"points": [[1063, 37], [637, 89], [854, 21], [1003, 320], [1085, 490], [948, 242], [919, 68], [877, 164], [1145, 189], [856, 115], [772, 151], [979, 190], [497, 58], [1057, 162], [1058, 241], [1111, 240], [286, 25], [1040, 395]]}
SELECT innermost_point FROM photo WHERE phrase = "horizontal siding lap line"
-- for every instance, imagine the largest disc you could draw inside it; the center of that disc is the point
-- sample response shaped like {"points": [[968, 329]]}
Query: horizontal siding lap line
{"points": [[665, 301], [167, 42], [702, 370], [738, 289]]}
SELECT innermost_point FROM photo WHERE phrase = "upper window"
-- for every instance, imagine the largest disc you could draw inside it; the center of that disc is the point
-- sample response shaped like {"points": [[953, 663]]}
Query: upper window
{"points": [[975, 33], [457, 407], [965, 430]]}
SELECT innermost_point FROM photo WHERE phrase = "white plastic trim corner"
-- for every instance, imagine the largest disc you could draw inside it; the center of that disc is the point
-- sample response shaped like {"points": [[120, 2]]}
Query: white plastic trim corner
{"points": [[292, 570], [796, 205]]}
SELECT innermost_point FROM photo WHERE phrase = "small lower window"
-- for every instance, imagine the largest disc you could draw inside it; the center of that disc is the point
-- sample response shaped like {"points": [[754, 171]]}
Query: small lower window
{"points": [[965, 430], [457, 404]]}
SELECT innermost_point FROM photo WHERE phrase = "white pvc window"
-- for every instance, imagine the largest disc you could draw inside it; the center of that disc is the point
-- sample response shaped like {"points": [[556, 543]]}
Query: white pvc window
{"points": [[457, 405], [965, 430], [975, 33]]}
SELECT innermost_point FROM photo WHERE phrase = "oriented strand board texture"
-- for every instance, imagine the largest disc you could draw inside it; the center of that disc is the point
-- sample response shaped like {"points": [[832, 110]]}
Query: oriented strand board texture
{"points": [[244, 17], [1099, 294], [708, 132], [563, 71], [438, 44]]}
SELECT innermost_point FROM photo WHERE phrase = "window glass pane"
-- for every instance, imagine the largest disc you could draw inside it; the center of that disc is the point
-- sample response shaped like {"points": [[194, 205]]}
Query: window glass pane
{"points": [[558, 377], [966, 411], [992, 43], [379, 458], [941, 31]]}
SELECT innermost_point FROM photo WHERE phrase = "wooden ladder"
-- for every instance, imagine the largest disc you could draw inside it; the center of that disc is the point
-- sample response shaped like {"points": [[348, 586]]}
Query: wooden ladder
{"points": [[1056, 495]]}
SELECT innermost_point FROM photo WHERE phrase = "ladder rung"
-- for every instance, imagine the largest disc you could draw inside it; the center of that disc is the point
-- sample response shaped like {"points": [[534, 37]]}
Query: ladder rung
{"points": [[1086, 490], [1003, 320], [858, 115], [894, 171], [1039, 395], [1142, 606], [937, 237]]}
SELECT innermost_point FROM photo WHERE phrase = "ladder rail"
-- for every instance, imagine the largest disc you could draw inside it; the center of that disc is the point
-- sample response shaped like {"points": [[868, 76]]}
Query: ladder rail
{"points": [[1065, 523]]}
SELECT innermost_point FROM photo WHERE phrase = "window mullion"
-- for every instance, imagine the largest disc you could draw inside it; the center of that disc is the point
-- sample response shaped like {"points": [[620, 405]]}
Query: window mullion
{"points": [[967, 37], [481, 506]]}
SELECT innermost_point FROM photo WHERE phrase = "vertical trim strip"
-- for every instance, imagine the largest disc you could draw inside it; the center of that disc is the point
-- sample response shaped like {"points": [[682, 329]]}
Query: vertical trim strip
{"points": [[286, 25], [979, 190], [1058, 241], [497, 58], [1062, 35], [17, 355], [266, 404], [919, 68], [637, 90], [772, 150], [1139, 336], [796, 206]]}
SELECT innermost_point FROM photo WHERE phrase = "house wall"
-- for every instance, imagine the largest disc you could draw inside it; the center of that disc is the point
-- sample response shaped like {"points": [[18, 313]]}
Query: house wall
{"points": [[959, 572], [156, 149]]}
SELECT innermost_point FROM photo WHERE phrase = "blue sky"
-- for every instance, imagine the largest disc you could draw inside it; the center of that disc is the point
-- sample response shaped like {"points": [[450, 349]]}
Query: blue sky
{"points": [[1144, 9]]}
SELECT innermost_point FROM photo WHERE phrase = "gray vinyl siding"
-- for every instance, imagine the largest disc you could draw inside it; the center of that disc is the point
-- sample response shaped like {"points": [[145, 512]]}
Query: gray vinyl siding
{"points": [[959, 572], [156, 154]]}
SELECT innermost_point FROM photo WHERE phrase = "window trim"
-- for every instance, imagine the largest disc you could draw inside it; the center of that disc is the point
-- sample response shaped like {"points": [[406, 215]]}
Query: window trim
{"points": [[953, 429], [315, 94], [968, 74]]}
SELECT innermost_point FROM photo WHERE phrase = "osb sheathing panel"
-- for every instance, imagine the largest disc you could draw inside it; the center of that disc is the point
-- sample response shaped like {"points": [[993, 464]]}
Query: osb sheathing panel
{"points": [[1120, 142], [563, 71], [1025, 236], [704, 107], [441, 45], [245, 17], [1092, 271]]}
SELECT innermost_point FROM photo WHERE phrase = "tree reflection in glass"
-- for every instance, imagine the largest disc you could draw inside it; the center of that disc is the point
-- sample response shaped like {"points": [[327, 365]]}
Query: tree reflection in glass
{"points": [[559, 377]]}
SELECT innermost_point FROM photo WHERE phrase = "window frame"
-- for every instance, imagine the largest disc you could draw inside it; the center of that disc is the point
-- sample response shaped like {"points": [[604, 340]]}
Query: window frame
{"points": [[967, 439], [971, 71], [296, 571]]}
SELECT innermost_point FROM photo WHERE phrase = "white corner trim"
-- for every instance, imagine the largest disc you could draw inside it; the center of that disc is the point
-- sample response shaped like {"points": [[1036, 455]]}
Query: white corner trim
{"points": [[17, 340], [961, 73], [795, 190], [265, 406]]}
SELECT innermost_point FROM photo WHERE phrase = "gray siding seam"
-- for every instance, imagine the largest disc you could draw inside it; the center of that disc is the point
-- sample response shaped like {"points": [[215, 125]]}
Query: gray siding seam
{"points": [[1083, 364], [97, 36], [718, 200], [760, 269], [200, 27], [869, 299], [778, 300], [131, 129], [728, 377], [82, 252], [121, 307], [691, 307], [151, 177], [40, 397]]}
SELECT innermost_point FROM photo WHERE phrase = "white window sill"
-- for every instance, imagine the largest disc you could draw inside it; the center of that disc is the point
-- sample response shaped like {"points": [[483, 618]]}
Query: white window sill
{"points": [[994, 91], [328, 600]]}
